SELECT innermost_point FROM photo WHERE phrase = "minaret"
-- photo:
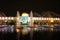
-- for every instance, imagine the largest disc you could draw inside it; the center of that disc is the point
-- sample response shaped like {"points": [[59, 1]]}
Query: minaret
{"points": [[18, 25], [18, 19], [31, 19], [31, 25]]}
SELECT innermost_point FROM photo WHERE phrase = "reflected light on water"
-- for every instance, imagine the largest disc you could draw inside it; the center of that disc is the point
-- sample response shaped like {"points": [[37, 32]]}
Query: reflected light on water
{"points": [[52, 26], [17, 30], [24, 31]]}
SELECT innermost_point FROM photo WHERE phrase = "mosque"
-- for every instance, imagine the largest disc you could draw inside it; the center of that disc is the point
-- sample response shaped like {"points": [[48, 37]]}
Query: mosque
{"points": [[30, 20]]}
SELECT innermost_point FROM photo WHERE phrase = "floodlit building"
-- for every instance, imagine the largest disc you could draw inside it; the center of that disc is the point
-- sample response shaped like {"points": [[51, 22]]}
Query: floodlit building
{"points": [[25, 18], [30, 21]]}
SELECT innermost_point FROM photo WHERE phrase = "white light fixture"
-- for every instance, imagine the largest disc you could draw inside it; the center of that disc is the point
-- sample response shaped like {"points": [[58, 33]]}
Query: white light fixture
{"points": [[12, 18], [6, 18], [2, 18], [9, 18]]}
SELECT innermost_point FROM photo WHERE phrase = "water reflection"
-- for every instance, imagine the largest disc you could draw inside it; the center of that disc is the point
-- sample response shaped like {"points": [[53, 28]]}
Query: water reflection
{"points": [[9, 28], [8, 33]]}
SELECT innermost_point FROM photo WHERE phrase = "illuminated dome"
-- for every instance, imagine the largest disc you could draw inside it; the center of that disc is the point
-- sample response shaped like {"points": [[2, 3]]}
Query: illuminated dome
{"points": [[25, 14]]}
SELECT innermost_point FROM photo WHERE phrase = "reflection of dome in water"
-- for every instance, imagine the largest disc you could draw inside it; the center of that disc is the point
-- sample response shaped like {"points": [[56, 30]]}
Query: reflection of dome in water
{"points": [[2, 14]]}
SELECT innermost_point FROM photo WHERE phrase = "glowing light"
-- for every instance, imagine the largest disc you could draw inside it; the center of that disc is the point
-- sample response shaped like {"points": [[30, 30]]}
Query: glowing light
{"points": [[51, 20], [52, 27], [39, 18], [34, 18], [35, 28], [23, 31], [2, 18], [17, 30], [58, 19], [9, 18], [17, 18], [29, 19], [12, 18], [25, 14], [44, 18], [55, 18], [6, 18], [47, 19]]}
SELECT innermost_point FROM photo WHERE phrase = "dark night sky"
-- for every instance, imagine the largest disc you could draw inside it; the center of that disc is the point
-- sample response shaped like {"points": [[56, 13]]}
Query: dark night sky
{"points": [[10, 7]]}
